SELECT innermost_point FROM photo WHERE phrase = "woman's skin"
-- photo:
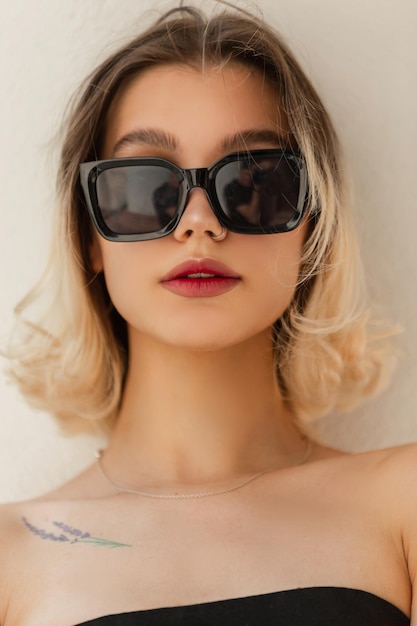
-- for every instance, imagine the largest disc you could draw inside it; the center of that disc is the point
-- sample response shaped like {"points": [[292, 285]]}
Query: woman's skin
{"points": [[202, 411]]}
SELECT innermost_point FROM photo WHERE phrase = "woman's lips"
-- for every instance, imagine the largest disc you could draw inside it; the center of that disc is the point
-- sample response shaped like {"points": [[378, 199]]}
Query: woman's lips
{"points": [[200, 287], [200, 278]]}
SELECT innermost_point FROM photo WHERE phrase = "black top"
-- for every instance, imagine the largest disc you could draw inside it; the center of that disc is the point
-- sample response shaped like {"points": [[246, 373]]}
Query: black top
{"points": [[313, 606]]}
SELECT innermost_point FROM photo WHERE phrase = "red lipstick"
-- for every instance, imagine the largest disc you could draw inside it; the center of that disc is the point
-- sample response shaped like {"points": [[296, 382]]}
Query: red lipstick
{"points": [[200, 278]]}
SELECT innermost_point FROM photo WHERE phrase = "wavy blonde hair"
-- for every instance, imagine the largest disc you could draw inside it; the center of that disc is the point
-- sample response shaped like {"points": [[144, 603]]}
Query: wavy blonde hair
{"points": [[73, 360]]}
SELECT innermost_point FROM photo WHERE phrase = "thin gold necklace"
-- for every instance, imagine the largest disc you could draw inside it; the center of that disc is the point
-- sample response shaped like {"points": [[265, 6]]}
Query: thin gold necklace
{"points": [[185, 496]]}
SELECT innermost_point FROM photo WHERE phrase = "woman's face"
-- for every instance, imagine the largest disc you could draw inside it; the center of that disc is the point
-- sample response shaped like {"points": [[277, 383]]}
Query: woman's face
{"points": [[192, 120]]}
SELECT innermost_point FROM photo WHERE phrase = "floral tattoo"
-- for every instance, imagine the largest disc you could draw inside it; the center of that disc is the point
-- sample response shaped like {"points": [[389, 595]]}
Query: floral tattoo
{"points": [[71, 535]]}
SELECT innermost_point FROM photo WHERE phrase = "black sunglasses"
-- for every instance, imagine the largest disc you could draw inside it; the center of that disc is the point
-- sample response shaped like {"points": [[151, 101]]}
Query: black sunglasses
{"points": [[256, 192]]}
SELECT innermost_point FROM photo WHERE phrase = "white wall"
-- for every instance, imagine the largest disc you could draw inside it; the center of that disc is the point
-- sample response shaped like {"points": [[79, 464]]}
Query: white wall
{"points": [[362, 57]]}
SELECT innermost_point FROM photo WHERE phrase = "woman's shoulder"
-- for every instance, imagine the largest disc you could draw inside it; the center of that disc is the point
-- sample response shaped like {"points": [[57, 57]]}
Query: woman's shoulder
{"points": [[11, 546], [13, 527], [383, 478], [386, 480], [380, 461], [22, 555], [10, 525], [21, 521], [396, 466], [394, 472]]}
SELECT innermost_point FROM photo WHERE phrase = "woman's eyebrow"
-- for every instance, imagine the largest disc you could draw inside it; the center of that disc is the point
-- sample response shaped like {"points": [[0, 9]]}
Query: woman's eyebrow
{"points": [[150, 137], [244, 139], [158, 138]]}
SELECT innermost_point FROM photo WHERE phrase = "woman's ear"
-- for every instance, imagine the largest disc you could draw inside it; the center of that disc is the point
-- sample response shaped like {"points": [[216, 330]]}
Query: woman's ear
{"points": [[95, 256]]}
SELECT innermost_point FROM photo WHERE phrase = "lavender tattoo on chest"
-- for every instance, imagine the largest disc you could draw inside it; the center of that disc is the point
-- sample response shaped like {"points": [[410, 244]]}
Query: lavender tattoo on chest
{"points": [[71, 535]]}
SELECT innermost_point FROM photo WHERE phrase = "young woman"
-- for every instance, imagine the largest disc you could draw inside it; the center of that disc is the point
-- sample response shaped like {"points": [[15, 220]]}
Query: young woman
{"points": [[206, 300]]}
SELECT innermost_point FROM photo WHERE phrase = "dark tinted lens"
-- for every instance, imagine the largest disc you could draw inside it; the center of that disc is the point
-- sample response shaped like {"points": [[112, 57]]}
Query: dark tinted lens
{"points": [[137, 199], [264, 192]]}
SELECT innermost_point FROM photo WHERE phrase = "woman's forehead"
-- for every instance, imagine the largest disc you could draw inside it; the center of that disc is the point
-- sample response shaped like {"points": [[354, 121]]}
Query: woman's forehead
{"points": [[181, 103]]}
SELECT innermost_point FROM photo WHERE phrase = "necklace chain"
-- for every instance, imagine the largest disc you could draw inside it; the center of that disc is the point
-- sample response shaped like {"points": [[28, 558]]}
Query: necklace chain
{"points": [[185, 496]]}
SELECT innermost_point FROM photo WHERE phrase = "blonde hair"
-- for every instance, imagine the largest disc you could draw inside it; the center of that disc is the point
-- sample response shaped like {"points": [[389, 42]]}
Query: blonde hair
{"points": [[73, 360]]}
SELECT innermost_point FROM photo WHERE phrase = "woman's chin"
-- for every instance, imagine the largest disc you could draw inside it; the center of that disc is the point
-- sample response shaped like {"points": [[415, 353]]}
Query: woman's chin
{"points": [[203, 339]]}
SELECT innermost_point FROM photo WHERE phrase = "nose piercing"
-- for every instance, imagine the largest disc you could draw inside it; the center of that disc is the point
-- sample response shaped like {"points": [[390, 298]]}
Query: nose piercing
{"points": [[220, 236]]}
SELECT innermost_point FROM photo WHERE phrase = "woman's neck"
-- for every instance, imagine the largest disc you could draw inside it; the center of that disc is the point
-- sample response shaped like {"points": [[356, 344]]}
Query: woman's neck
{"points": [[197, 417]]}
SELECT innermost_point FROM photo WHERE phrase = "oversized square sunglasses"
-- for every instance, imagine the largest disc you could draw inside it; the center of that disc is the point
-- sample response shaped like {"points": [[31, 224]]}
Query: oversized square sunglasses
{"points": [[252, 192]]}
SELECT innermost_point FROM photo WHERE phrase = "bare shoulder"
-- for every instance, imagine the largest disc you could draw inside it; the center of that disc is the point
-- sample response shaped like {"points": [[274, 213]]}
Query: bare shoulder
{"points": [[10, 527], [13, 530], [11, 535], [395, 469], [397, 476], [385, 478], [386, 463], [22, 555], [15, 517], [396, 466]]}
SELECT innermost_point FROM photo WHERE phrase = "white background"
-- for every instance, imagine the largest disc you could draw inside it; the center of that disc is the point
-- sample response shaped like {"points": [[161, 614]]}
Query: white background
{"points": [[362, 57]]}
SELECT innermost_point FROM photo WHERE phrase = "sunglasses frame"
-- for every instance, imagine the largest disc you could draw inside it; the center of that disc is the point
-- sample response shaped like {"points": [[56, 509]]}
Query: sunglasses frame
{"points": [[189, 179]]}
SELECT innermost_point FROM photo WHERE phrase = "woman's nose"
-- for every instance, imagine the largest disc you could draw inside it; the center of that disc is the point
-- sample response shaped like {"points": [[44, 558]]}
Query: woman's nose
{"points": [[198, 219]]}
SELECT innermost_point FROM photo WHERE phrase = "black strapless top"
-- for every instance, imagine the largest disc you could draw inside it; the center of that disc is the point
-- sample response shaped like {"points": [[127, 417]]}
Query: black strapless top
{"points": [[312, 606]]}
